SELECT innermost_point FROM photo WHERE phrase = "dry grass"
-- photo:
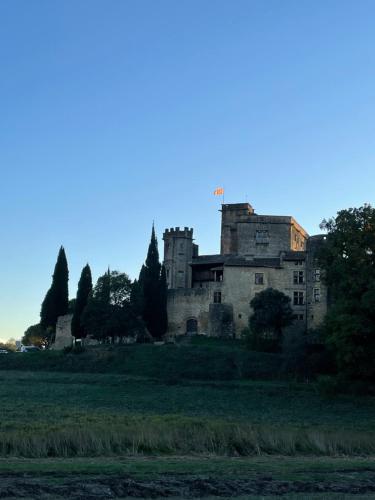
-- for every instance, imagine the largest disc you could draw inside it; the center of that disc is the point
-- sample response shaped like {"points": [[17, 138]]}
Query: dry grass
{"points": [[176, 435]]}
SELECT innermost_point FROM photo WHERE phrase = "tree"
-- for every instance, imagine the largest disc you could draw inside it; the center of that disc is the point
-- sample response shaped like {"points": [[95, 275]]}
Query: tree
{"points": [[152, 291], [35, 335], [348, 261], [56, 301], [109, 314], [272, 313], [83, 294], [97, 312]]}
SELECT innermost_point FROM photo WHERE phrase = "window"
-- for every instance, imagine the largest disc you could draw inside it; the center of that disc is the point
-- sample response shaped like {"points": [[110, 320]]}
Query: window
{"points": [[316, 294], [218, 275], [259, 279], [240, 316], [298, 317], [316, 275], [298, 277], [298, 299], [262, 237], [298, 262], [217, 297]]}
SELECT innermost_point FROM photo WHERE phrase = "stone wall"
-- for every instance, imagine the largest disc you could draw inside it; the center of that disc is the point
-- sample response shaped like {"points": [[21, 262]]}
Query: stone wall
{"points": [[281, 246], [63, 337], [178, 253]]}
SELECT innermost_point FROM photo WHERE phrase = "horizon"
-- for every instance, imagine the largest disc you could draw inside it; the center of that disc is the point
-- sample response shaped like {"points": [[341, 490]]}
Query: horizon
{"points": [[115, 115]]}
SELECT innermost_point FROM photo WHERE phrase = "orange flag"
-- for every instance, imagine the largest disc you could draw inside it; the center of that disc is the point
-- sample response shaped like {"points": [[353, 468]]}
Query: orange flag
{"points": [[218, 191]]}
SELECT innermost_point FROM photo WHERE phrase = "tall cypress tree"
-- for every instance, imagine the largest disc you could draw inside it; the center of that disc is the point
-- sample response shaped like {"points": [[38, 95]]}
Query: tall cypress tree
{"points": [[163, 301], [56, 301], [153, 298], [83, 294]]}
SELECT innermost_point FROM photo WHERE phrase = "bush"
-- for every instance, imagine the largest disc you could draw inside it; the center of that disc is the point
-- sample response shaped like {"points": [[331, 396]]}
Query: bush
{"points": [[329, 386], [258, 342]]}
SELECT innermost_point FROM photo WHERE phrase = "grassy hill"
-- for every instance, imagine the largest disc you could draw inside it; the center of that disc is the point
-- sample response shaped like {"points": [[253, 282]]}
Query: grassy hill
{"points": [[205, 359]]}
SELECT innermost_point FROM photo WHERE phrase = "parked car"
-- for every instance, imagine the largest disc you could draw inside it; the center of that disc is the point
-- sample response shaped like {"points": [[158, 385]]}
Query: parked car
{"points": [[3, 351], [29, 348]]}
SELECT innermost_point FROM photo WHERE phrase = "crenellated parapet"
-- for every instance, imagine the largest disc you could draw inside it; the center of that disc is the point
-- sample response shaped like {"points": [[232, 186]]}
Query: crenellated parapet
{"points": [[186, 232]]}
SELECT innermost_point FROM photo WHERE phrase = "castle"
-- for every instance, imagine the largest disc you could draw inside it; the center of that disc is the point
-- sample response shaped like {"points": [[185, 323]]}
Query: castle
{"points": [[211, 294]]}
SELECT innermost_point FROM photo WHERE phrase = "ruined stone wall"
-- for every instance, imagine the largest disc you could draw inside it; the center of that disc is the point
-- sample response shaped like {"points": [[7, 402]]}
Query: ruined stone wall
{"points": [[316, 309], [63, 337]]}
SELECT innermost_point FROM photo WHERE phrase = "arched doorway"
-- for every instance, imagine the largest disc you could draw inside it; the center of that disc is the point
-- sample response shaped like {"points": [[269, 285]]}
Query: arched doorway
{"points": [[191, 326]]}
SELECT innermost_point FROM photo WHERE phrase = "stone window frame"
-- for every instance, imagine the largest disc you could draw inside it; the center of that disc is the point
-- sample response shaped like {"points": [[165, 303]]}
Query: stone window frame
{"points": [[259, 279], [316, 275], [217, 297], [298, 298], [298, 277], [298, 317], [262, 237], [316, 294]]}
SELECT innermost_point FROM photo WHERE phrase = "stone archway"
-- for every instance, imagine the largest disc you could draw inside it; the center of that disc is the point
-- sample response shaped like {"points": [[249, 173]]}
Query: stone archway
{"points": [[191, 326]]}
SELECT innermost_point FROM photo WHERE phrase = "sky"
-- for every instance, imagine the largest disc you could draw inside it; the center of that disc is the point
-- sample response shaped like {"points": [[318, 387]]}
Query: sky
{"points": [[118, 113]]}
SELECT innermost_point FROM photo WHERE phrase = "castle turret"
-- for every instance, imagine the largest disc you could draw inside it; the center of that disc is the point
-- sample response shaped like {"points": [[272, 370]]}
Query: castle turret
{"points": [[178, 253]]}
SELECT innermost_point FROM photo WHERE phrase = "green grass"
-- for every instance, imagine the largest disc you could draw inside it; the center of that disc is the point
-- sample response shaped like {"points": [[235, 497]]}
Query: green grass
{"points": [[59, 414], [205, 359]]}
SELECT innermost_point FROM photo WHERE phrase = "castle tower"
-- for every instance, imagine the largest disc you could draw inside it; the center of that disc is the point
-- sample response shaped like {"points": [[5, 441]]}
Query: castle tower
{"points": [[178, 253], [231, 215]]}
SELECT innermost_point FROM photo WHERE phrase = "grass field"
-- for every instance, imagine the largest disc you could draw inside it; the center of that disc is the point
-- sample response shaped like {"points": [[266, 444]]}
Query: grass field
{"points": [[144, 423], [60, 414]]}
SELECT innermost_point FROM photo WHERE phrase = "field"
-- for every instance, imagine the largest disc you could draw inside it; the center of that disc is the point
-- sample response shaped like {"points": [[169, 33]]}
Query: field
{"points": [[171, 432]]}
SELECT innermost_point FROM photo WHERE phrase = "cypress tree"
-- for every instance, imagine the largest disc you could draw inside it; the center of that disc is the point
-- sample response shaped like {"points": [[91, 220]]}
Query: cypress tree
{"points": [[56, 301], [163, 301], [96, 315], [152, 291], [83, 293]]}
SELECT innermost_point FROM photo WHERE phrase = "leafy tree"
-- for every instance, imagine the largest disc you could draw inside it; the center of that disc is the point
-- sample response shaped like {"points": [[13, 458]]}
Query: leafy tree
{"points": [[97, 312], [152, 291], [136, 295], [56, 301], [109, 313], [83, 294], [272, 313], [35, 335], [348, 260]]}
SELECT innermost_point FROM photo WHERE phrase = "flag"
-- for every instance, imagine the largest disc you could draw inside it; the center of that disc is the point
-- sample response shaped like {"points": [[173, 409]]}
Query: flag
{"points": [[218, 191]]}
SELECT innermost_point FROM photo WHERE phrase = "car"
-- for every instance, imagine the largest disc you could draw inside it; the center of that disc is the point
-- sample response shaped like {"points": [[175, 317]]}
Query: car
{"points": [[29, 348], [3, 351]]}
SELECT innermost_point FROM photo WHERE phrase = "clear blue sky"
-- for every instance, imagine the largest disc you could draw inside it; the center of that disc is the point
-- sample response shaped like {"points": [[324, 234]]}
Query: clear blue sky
{"points": [[115, 113]]}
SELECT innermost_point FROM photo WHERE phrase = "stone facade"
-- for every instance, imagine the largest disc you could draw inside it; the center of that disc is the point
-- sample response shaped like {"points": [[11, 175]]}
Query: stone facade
{"points": [[63, 336], [211, 294]]}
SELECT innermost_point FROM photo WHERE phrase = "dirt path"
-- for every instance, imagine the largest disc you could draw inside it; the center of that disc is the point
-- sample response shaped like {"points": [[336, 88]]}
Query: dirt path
{"points": [[89, 487]]}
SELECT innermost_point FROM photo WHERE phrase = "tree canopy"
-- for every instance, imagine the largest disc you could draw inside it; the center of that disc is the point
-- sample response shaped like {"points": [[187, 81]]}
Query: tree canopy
{"points": [[56, 301], [150, 295], [109, 314], [271, 313], [348, 261], [83, 294]]}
